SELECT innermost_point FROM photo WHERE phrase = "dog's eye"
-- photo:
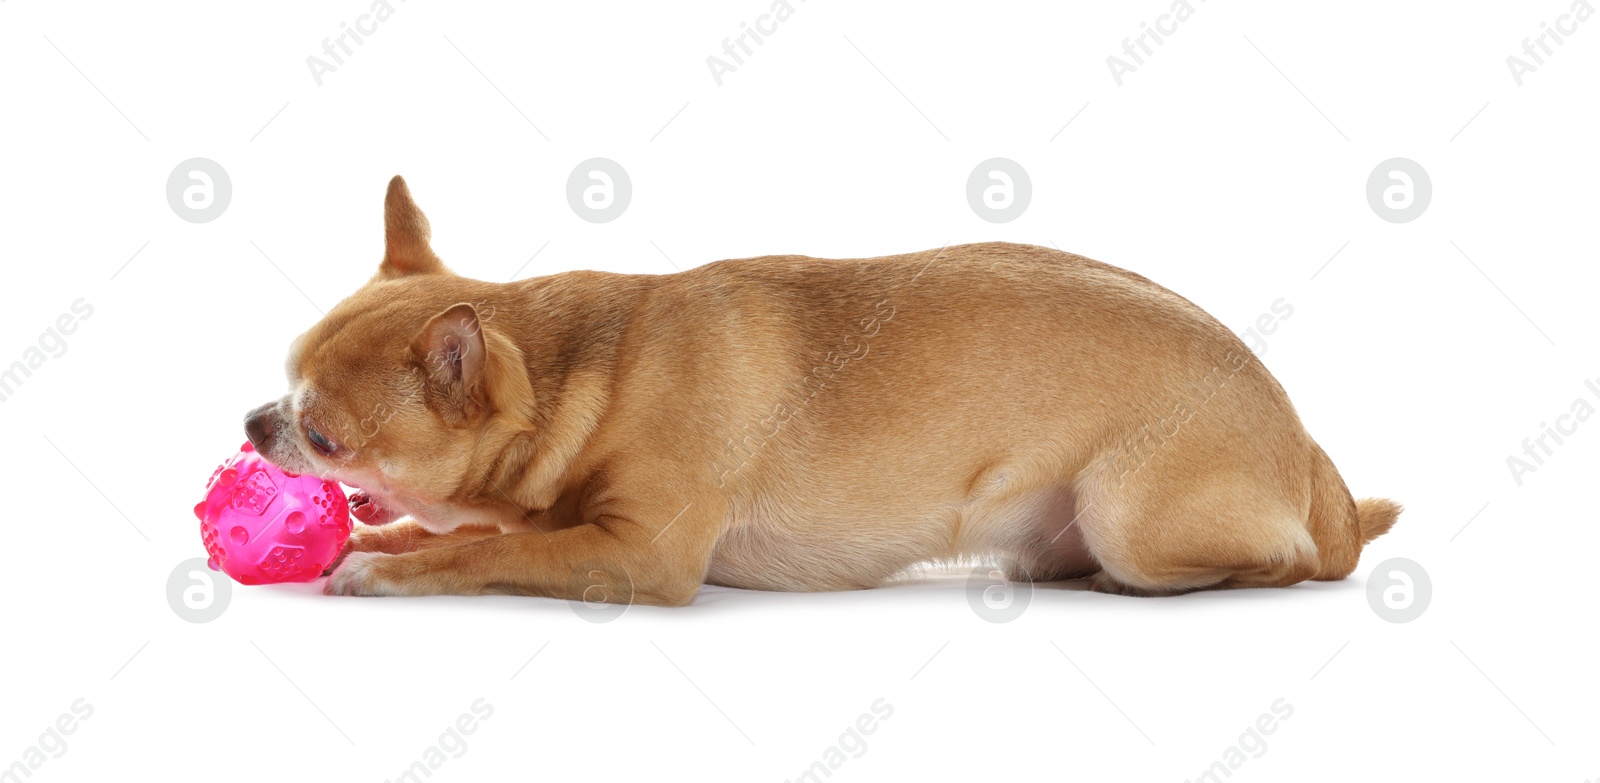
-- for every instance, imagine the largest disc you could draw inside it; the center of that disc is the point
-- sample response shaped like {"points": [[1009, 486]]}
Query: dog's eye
{"points": [[323, 444]]}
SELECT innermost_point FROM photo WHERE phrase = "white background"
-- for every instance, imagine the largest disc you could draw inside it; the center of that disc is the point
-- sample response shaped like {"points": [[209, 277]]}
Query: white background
{"points": [[1419, 370]]}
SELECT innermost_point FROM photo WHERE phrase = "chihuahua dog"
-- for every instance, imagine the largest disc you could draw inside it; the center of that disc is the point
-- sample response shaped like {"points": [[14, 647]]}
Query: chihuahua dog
{"points": [[795, 423]]}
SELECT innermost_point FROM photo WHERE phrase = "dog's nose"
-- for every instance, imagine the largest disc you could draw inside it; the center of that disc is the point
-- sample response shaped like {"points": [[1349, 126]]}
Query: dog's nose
{"points": [[255, 426]]}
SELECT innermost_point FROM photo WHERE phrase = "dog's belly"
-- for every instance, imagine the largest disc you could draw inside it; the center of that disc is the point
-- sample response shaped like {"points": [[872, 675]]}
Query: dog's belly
{"points": [[1037, 536], [756, 553], [1049, 543]]}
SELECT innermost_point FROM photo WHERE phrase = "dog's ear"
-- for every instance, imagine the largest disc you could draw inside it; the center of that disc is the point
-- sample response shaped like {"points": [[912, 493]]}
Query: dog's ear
{"points": [[451, 350], [405, 236]]}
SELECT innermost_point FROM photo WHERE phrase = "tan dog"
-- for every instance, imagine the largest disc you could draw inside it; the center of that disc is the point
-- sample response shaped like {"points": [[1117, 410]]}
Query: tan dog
{"points": [[792, 423]]}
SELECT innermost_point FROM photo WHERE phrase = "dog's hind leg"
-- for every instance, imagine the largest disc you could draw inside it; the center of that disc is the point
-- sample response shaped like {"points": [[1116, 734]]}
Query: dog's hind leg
{"points": [[1185, 521]]}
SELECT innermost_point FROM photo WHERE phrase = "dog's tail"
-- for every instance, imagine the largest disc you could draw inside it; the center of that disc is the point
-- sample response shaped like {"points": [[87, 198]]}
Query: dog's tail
{"points": [[1339, 524]]}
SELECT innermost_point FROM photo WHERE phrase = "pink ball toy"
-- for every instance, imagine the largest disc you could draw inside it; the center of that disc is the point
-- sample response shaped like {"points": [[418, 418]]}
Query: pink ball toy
{"points": [[263, 525]]}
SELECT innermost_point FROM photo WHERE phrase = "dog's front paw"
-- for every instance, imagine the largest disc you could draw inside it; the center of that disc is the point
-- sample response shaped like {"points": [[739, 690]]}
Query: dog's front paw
{"points": [[359, 574], [338, 560], [362, 539]]}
